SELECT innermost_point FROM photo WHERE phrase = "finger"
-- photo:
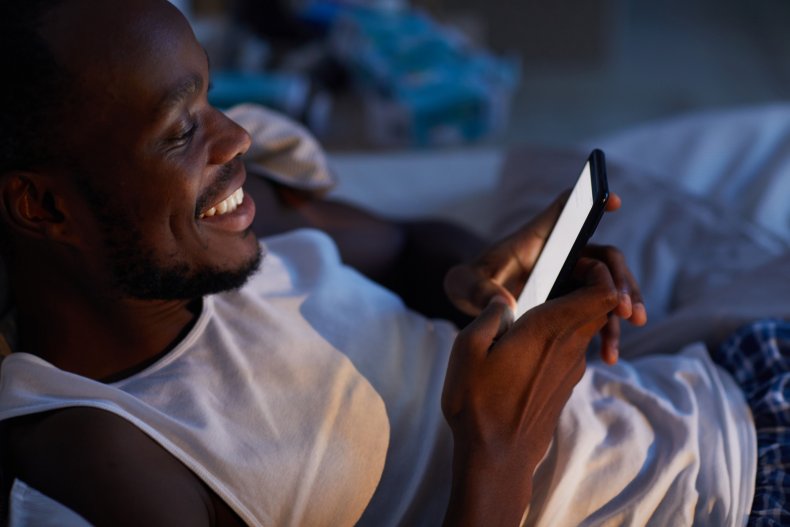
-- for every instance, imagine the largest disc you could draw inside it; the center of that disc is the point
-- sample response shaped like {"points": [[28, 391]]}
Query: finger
{"points": [[476, 338], [516, 254], [621, 274], [631, 306], [538, 228], [472, 291], [597, 295], [587, 306], [638, 307], [542, 224], [639, 316], [610, 340], [503, 269], [613, 203], [469, 351]]}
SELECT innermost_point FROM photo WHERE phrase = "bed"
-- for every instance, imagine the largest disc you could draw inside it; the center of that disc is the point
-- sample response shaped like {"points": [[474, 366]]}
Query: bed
{"points": [[705, 226], [705, 223]]}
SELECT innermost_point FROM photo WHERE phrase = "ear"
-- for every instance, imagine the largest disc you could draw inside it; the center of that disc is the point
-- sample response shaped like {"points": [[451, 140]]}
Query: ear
{"points": [[30, 206]]}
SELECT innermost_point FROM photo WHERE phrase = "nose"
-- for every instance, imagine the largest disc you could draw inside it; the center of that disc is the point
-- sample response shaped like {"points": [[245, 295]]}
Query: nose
{"points": [[230, 140]]}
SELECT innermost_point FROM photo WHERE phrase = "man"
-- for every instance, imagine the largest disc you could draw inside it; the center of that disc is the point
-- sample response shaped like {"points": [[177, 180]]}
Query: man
{"points": [[164, 375]]}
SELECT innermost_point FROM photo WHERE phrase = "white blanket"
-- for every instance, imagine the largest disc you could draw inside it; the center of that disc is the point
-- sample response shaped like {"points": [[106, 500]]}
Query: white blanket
{"points": [[669, 436], [664, 440], [705, 223]]}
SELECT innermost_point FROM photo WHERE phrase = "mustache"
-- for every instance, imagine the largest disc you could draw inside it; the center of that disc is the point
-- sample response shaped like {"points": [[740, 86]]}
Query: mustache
{"points": [[214, 191]]}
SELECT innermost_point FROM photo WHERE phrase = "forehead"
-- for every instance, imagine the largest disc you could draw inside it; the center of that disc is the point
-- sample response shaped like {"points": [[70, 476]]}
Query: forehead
{"points": [[138, 55]]}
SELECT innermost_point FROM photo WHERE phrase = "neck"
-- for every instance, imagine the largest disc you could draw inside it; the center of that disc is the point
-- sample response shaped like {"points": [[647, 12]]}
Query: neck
{"points": [[97, 336]]}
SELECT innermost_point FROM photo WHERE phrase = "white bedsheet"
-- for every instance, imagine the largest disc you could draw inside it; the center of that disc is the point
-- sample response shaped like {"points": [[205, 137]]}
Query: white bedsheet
{"points": [[737, 159], [658, 441], [459, 185], [705, 223]]}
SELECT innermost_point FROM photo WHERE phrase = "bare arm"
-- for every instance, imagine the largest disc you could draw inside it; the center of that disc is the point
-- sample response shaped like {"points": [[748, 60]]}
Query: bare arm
{"points": [[504, 392], [506, 382], [108, 471], [409, 257]]}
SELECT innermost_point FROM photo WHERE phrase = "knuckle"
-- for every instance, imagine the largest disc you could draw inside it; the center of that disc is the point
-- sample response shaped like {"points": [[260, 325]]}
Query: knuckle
{"points": [[606, 289], [550, 328], [614, 255], [609, 296], [470, 339], [480, 294], [600, 269]]}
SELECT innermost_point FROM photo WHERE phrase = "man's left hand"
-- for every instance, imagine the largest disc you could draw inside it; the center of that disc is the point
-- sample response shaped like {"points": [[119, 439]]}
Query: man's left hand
{"points": [[503, 270]]}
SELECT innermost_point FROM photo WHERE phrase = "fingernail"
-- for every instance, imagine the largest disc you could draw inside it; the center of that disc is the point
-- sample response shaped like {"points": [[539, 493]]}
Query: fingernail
{"points": [[502, 299], [499, 299], [625, 298], [505, 322], [639, 306], [507, 317], [613, 352]]}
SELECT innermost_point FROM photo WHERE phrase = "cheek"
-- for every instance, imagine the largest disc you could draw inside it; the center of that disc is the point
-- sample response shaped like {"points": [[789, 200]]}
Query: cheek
{"points": [[156, 192], [171, 187], [159, 214]]}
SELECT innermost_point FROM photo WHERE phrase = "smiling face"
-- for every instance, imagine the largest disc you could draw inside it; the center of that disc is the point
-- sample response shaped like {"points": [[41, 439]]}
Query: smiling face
{"points": [[156, 171]]}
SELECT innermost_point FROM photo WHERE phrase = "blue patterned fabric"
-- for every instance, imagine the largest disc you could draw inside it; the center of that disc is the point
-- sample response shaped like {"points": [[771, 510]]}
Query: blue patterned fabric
{"points": [[758, 357]]}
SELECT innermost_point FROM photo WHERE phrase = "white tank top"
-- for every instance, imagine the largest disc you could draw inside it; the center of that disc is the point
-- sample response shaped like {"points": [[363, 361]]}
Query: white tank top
{"points": [[295, 396], [260, 404]]}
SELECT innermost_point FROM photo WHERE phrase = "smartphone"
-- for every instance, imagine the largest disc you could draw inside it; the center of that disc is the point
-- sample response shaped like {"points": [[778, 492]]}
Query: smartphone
{"points": [[551, 275]]}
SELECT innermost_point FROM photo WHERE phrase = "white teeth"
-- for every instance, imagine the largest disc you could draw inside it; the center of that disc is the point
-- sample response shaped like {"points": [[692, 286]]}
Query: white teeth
{"points": [[229, 204]]}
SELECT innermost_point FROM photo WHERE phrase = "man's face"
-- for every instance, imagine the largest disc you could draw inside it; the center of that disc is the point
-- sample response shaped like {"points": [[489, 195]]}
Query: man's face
{"points": [[156, 167]]}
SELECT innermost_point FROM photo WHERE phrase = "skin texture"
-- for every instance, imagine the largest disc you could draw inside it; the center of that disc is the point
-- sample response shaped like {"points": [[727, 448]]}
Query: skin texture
{"points": [[147, 156], [508, 381], [152, 168], [503, 270], [409, 258]]}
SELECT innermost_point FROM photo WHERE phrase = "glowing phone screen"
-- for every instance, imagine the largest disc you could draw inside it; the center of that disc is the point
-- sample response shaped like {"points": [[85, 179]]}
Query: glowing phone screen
{"points": [[559, 244]]}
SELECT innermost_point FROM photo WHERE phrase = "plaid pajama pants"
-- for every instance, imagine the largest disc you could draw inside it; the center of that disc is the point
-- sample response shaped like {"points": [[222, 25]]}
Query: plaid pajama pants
{"points": [[758, 357]]}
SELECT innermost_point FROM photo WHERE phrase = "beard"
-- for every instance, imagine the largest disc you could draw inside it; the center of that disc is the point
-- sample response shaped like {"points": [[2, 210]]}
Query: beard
{"points": [[141, 273]]}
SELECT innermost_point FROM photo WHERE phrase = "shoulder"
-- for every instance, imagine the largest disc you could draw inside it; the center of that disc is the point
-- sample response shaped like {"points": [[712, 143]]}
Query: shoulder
{"points": [[104, 468]]}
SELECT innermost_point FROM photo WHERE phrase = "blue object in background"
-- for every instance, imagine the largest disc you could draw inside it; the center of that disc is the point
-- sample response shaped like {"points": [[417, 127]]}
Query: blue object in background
{"points": [[423, 84], [287, 93]]}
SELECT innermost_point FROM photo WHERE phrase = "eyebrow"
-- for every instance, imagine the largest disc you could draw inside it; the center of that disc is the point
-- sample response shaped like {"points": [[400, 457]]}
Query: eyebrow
{"points": [[181, 90]]}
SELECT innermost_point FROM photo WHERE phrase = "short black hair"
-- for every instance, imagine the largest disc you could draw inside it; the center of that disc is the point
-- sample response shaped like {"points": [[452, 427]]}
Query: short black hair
{"points": [[34, 87]]}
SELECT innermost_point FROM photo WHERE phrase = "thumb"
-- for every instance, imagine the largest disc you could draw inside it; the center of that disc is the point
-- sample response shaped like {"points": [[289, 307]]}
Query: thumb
{"points": [[480, 334], [471, 291], [594, 300], [471, 349]]}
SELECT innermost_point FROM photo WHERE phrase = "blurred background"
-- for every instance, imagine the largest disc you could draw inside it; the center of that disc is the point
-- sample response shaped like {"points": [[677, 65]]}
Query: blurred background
{"points": [[368, 75]]}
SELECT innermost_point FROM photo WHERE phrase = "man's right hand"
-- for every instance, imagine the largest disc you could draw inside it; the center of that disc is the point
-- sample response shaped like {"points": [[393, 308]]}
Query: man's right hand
{"points": [[503, 269], [505, 388]]}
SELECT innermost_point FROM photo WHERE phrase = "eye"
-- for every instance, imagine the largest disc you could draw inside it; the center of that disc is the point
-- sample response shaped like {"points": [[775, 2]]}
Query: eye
{"points": [[184, 138]]}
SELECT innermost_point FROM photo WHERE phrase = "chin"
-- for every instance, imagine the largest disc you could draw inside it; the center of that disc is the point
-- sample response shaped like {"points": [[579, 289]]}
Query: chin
{"points": [[146, 280]]}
